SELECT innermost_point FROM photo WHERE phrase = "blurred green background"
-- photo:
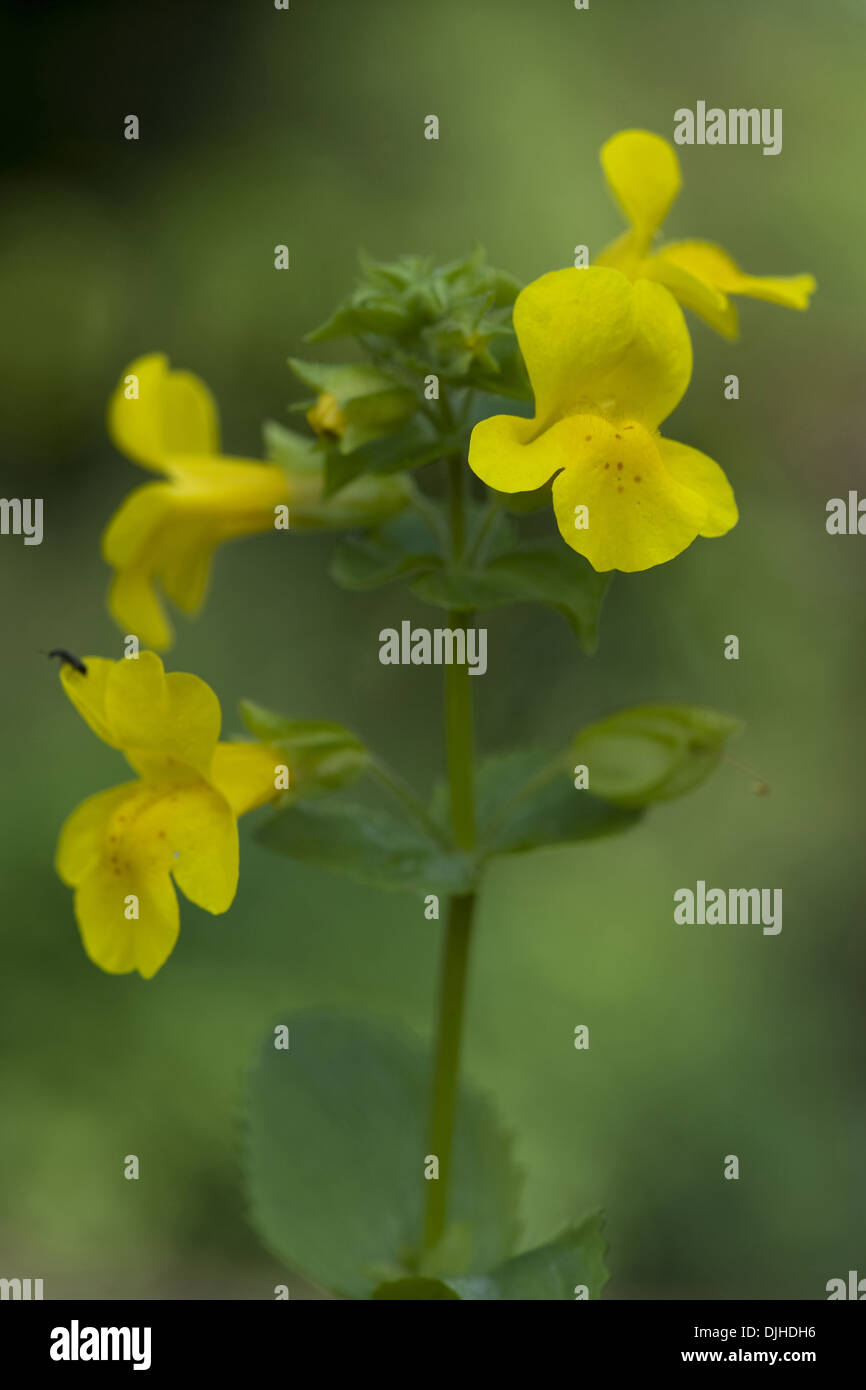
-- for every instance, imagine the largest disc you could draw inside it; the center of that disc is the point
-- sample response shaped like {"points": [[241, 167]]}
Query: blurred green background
{"points": [[306, 127]]}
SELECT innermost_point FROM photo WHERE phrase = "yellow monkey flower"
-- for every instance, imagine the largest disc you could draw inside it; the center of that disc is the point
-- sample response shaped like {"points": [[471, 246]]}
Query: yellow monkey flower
{"points": [[608, 361], [125, 850], [165, 533], [643, 172]]}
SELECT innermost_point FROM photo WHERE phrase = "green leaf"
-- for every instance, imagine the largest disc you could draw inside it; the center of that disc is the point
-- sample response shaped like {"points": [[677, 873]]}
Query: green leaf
{"points": [[334, 1156], [404, 546], [652, 752], [535, 573], [407, 448], [428, 1289], [310, 466], [320, 755], [526, 798], [370, 846], [369, 402], [574, 1260], [382, 317]]}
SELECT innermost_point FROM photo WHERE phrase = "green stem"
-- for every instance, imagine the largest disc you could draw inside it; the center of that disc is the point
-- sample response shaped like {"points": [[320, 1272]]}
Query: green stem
{"points": [[456, 514], [450, 1029], [455, 961]]}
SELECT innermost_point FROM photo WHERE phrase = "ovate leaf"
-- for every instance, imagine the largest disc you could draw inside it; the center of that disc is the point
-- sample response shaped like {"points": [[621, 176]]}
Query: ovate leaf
{"points": [[652, 752], [336, 1139], [372, 847], [526, 799]]}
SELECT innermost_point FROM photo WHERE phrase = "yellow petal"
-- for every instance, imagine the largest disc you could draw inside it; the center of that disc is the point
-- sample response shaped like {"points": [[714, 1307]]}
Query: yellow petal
{"points": [[644, 175], [191, 830], [715, 267], [84, 834], [573, 327], [245, 774], [112, 941], [510, 455], [174, 413], [651, 377], [593, 343], [88, 693], [166, 533], [135, 606], [704, 299], [695, 470], [164, 724], [639, 514]]}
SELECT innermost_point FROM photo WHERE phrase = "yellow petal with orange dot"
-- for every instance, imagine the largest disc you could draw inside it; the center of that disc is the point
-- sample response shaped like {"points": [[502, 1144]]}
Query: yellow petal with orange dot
{"points": [[644, 174], [117, 943], [637, 514], [84, 834], [191, 830]]}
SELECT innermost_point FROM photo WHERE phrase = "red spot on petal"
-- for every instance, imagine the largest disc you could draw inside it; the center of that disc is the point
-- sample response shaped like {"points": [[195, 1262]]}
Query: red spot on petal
{"points": [[619, 467], [607, 465], [619, 489], [627, 427], [637, 477], [588, 438]]}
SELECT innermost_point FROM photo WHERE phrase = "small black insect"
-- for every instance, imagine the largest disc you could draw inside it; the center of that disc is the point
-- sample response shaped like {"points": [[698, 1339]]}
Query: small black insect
{"points": [[70, 659]]}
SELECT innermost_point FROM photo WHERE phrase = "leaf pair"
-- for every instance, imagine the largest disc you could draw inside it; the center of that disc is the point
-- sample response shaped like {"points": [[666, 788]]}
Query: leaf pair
{"points": [[524, 800]]}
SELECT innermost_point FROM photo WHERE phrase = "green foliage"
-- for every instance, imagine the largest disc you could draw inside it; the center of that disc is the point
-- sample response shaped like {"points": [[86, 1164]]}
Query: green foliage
{"points": [[370, 846], [453, 321], [401, 548], [366, 401], [362, 500], [525, 799], [319, 755], [531, 573], [334, 1157], [415, 443], [652, 752], [574, 1260]]}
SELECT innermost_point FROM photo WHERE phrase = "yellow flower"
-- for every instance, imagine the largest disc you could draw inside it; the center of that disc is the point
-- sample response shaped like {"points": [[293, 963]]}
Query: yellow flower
{"points": [[167, 531], [120, 849], [608, 361], [643, 172]]}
